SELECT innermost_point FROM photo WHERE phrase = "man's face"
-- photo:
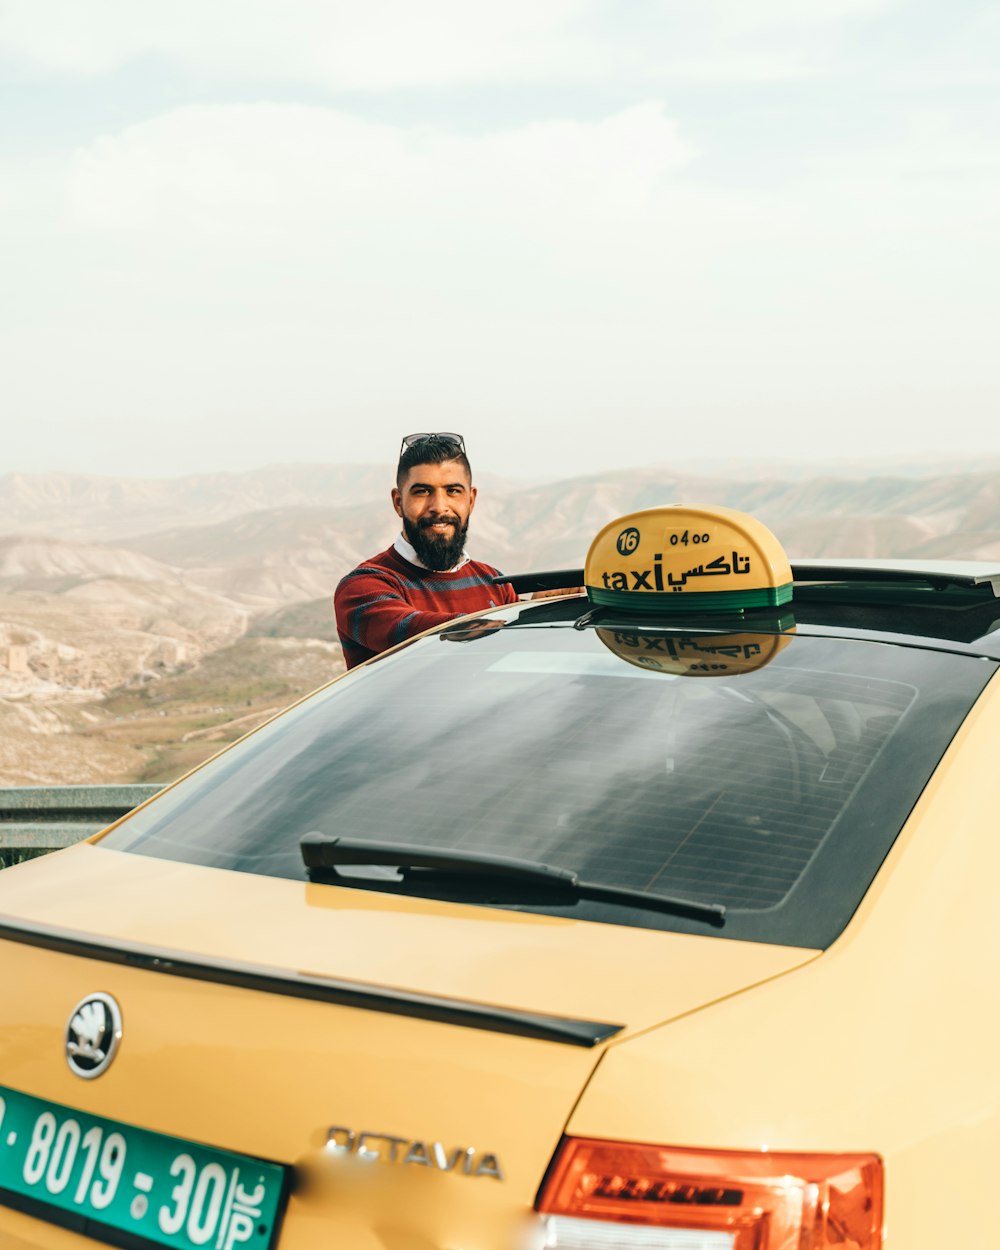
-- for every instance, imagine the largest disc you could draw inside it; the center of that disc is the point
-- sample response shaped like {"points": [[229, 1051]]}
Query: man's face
{"points": [[435, 502]]}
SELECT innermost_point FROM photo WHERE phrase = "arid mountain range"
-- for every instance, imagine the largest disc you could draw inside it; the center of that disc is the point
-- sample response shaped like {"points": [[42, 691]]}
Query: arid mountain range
{"points": [[122, 601]]}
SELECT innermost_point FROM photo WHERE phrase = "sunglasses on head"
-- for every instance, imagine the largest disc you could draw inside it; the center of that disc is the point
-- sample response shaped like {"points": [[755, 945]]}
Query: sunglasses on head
{"points": [[410, 439]]}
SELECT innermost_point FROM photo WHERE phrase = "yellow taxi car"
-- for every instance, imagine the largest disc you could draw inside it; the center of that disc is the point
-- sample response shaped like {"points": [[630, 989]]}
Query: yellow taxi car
{"points": [[659, 917]]}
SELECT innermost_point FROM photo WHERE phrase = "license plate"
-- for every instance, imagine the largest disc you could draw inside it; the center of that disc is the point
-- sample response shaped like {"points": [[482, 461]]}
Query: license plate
{"points": [[112, 1178]]}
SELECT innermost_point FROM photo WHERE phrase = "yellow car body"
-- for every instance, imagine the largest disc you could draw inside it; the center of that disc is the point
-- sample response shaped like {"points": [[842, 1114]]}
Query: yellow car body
{"points": [[270, 1075], [412, 1065]]}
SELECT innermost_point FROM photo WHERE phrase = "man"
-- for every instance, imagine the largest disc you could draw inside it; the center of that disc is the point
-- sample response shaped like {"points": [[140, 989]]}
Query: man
{"points": [[424, 578]]}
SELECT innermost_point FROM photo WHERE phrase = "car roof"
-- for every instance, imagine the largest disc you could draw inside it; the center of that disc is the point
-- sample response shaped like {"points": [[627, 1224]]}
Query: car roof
{"points": [[938, 573], [949, 605]]}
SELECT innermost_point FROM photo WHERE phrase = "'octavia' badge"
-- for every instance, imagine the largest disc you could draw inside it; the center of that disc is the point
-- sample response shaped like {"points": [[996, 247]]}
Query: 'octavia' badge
{"points": [[386, 1148], [95, 1029]]}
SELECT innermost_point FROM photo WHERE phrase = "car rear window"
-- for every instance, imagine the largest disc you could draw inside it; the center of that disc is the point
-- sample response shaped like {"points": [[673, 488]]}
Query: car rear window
{"points": [[775, 790]]}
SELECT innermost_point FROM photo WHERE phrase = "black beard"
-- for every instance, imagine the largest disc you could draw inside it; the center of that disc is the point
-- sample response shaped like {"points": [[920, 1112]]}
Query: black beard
{"points": [[438, 554]]}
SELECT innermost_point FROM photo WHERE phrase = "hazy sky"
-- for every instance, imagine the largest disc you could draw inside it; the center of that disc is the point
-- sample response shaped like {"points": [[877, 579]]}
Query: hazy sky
{"points": [[585, 233]]}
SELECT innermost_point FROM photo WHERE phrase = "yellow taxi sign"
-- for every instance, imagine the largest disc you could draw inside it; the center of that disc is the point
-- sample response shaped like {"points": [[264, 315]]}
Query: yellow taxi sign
{"points": [[694, 655], [687, 559]]}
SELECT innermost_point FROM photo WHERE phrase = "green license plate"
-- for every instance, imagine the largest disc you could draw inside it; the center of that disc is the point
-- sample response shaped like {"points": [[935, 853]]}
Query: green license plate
{"points": [[115, 1178]]}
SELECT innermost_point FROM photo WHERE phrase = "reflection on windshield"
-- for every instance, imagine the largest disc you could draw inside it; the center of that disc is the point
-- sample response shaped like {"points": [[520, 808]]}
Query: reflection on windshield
{"points": [[549, 746]]}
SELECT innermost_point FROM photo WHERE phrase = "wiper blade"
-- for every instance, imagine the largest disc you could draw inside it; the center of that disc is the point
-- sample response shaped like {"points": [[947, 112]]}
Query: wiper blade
{"points": [[319, 850], [714, 913], [322, 852]]}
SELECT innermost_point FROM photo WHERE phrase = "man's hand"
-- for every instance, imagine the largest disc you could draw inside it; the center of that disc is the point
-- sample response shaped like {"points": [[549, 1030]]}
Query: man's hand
{"points": [[471, 630]]}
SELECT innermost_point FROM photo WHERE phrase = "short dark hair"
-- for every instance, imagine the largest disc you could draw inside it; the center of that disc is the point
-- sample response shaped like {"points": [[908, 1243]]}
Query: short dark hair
{"points": [[430, 450]]}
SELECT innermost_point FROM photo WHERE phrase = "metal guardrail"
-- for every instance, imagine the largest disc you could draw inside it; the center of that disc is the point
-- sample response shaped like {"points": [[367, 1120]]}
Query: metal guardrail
{"points": [[37, 819]]}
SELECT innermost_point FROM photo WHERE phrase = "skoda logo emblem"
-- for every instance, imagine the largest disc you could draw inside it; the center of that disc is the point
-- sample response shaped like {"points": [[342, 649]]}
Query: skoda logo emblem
{"points": [[92, 1035]]}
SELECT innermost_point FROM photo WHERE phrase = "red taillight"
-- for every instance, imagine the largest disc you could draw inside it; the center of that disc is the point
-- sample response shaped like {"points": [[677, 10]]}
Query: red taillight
{"points": [[709, 1199]]}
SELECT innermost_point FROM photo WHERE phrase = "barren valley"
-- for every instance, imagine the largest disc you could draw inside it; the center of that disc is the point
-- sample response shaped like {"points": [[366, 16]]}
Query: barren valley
{"points": [[144, 624]]}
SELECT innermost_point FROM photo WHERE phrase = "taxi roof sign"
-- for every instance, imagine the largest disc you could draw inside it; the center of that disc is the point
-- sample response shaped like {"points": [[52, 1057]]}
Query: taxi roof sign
{"points": [[687, 559]]}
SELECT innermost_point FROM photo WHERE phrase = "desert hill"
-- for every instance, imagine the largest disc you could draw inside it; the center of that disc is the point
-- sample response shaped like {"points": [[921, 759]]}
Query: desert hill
{"points": [[273, 557], [302, 620], [241, 519], [143, 623], [40, 560], [105, 509], [550, 526]]}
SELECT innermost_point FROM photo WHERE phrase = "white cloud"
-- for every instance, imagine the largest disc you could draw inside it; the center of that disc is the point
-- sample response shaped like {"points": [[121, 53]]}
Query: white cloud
{"points": [[273, 170], [382, 44], [378, 44], [244, 274], [579, 260], [737, 15], [300, 220]]}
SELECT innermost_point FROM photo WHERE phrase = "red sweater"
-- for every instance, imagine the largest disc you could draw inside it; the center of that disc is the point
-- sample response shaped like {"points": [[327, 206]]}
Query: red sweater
{"points": [[388, 599]]}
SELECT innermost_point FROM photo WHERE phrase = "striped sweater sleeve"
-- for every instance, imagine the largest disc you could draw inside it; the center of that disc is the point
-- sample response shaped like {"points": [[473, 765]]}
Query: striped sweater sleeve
{"points": [[372, 612]]}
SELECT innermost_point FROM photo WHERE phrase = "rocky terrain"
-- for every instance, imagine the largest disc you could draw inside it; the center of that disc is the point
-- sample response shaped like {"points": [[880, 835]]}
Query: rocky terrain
{"points": [[143, 624]]}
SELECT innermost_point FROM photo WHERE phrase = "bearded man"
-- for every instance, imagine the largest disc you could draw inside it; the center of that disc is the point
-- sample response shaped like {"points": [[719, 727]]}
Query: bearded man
{"points": [[424, 578]]}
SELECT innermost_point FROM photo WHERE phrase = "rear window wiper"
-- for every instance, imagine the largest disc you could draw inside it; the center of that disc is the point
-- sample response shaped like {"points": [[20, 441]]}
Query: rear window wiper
{"points": [[323, 854]]}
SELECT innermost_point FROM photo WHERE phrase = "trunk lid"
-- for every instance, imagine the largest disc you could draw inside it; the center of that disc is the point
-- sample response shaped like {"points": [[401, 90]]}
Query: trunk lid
{"points": [[259, 1014]]}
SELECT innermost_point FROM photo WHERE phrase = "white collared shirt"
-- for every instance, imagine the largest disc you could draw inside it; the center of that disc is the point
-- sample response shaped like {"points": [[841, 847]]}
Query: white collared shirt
{"points": [[408, 552]]}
